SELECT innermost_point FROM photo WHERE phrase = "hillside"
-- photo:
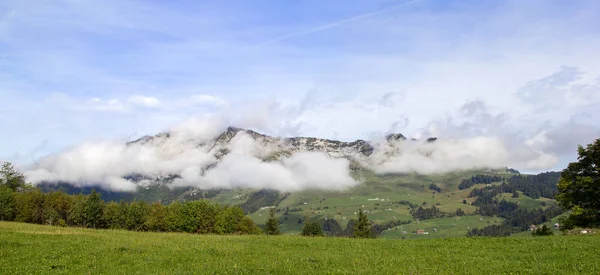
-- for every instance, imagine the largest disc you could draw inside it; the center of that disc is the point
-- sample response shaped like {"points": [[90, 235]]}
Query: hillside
{"points": [[32, 249], [390, 201]]}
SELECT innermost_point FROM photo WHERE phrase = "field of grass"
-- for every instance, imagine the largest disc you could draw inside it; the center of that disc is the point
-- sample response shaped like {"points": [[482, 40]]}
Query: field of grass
{"points": [[35, 249], [527, 202]]}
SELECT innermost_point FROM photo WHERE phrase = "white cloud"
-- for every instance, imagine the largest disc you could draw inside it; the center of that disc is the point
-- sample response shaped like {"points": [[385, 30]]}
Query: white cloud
{"points": [[144, 101], [186, 153]]}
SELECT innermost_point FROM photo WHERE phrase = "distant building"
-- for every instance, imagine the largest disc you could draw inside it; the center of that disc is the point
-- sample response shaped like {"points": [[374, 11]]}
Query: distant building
{"points": [[421, 232], [556, 225]]}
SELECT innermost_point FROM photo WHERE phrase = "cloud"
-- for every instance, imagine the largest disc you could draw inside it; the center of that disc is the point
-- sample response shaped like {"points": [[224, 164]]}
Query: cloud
{"points": [[444, 155], [187, 152], [144, 101]]}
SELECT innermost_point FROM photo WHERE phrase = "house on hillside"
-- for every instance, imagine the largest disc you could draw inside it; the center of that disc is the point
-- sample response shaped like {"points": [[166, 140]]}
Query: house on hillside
{"points": [[421, 232], [556, 225]]}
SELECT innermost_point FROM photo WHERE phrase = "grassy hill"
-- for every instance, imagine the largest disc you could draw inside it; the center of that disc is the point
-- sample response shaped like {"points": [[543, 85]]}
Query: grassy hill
{"points": [[35, 249], [379, 195]]}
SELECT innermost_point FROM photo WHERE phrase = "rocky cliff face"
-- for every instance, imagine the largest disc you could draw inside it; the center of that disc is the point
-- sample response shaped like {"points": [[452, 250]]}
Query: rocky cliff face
{"points": [[284, 146], [268, 148]]}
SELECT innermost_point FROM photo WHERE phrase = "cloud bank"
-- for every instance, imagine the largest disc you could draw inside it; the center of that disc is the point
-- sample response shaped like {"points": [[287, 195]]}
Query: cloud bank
{"points": [[201, 157]]}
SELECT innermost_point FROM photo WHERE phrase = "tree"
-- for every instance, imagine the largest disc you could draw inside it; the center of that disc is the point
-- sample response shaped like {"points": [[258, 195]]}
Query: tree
{"points": [[111, 215], [272, 225], [7, 204], [29, 206], [157, 220], [515, 194], [312, 228], [10, 177], [362, 228], [247, 226], [579, 187], [93, 209], [137, 216], [332, 228], [77, 212]]}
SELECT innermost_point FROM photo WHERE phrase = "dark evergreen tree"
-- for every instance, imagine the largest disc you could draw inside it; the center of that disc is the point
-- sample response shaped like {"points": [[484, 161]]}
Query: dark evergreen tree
{"points": [[332, 228], [362, 228], [272, 224]]}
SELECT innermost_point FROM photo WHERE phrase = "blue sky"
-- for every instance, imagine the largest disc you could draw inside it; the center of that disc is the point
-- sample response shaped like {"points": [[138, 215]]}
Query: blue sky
{"points": [[526, 72]]}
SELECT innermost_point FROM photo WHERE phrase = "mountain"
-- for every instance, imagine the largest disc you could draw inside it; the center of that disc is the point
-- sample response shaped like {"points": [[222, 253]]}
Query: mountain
{"points": [[444, 204], [360, 153], [285, 146]]}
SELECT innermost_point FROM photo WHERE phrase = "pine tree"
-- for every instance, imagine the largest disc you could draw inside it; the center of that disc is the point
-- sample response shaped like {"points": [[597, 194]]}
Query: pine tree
{"points": [[272, 225], [362, 228]]}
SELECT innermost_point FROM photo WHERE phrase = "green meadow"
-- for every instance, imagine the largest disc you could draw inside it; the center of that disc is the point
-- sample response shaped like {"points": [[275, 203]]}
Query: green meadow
{"points": [[37, 249]]}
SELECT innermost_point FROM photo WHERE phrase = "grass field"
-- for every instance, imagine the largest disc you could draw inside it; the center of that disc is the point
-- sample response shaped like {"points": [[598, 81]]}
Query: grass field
{"points": [[35, 249]]}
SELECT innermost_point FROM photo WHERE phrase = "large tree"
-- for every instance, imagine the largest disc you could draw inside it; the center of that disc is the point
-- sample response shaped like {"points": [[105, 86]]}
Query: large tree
{"points": [[10, 177], [579, 187]]}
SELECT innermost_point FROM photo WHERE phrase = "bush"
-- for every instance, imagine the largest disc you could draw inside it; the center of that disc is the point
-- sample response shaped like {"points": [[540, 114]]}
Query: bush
{"points": [[542, 231], [312, 229]]}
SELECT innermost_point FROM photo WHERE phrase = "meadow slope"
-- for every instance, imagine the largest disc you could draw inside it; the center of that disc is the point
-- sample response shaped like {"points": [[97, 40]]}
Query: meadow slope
{"points": [[35, 249]]}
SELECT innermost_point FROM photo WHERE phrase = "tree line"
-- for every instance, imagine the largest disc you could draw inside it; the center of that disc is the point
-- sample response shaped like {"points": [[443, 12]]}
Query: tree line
{"points": [[21, 202], [58, 208], [478, 179], [534, 186]]}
